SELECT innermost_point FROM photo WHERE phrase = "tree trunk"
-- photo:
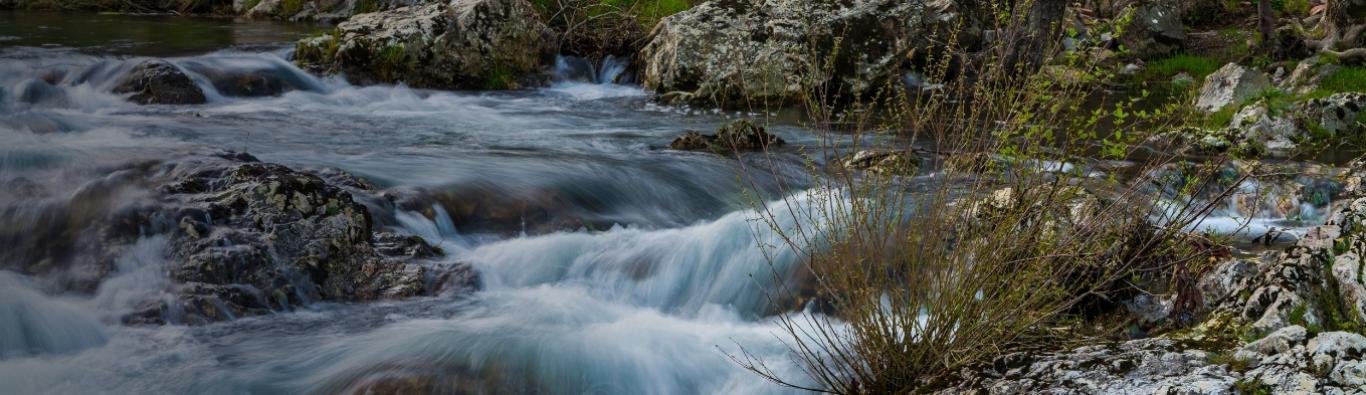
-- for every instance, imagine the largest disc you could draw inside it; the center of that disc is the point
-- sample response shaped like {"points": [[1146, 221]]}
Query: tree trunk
{"points": [[1342, 24], [1266, 21], [1035, 36]]}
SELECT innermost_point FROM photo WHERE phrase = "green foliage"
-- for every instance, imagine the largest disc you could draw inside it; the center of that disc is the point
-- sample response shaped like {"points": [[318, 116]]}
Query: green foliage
{"points": [[499, 78], [1292, 7], [366, 6], [1251, 387], [394, 61], [1197, 66], [1227, 358], [291, 7], [1346, 79]]}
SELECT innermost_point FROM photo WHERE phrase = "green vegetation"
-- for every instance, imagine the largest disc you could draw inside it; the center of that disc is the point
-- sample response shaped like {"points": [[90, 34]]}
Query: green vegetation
{"points": [[366, 6], [291, 7], [393, 62], [1197, 66], [499, 78], [1001, 257], [1345, 79], [1252, 387]]}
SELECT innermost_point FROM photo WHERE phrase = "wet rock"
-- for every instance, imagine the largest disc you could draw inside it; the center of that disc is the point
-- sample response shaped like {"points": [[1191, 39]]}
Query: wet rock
{"points": [[464, 44], [242, 238], [902, 163], [1230, 86], [159, 82], [751, 52], [738, 136], [254, 79], [288, 235]]}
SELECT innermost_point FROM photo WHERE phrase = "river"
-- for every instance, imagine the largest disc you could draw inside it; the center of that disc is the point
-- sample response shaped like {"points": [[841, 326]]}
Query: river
{"points": [[661, 283]]}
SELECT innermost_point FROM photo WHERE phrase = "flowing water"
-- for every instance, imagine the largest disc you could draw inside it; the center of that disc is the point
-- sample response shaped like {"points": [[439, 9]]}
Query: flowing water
{"points": [[662, 282]]}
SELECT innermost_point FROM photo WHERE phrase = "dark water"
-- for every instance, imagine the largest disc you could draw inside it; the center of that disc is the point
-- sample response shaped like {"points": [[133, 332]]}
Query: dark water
{"points": [[143, 35]]}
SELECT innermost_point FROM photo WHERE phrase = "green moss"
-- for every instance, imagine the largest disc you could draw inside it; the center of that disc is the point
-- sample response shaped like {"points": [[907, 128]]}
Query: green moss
{"points": [[499, 78], [291, 7], [366, 6], [1251, 387], [1227, 358]]}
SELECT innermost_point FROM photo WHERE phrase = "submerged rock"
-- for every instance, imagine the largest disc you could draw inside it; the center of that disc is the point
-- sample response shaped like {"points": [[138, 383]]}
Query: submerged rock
{"points": [[883, 162], [1231, 86], [463, 44], [738, 136], [160, 82], [757, 52]]}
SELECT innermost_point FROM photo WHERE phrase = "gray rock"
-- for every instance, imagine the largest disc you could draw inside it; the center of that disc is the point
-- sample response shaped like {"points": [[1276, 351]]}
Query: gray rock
{"points": [[464, 44], [752, 52], [1336, 115], [1231, 86], [1274, 134], [157, 81]]}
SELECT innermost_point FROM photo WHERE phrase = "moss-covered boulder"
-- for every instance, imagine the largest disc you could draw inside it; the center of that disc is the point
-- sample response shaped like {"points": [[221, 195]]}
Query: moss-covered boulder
{"points": [[738, 136], [464, 44]]}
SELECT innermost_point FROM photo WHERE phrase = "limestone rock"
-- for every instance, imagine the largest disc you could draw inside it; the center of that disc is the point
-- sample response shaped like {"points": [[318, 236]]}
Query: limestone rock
{"points": [[756, 52], [464, 44], [1230, 86]]}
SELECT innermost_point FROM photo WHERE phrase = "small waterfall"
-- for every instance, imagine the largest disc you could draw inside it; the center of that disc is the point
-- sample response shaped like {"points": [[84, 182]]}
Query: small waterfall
{"points": [[583, 79], [610, 70]]}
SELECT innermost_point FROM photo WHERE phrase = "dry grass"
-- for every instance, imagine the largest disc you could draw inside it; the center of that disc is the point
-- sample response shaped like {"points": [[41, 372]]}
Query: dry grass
{"points": [[998, 246]]}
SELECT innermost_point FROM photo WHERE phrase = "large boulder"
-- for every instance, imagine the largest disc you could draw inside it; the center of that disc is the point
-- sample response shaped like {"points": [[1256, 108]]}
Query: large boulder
{"points": [[755, 52], [463, 44], [157, 81], [240, 238], [1156, 29], [1231, 85]]}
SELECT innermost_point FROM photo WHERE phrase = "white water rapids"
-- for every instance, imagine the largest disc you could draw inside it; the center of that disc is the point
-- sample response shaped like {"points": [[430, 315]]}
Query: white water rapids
{"points": [[650, 295]]}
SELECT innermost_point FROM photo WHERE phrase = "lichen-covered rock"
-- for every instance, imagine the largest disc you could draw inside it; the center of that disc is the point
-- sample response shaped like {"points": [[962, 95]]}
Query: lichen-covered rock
{"points": [[738, 136], [1229, 86], [883, 162], [1336, 117], [157, 81], [1304, 285], [463, 44], [1149, 366], [1261, 131], [757, 52]]}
